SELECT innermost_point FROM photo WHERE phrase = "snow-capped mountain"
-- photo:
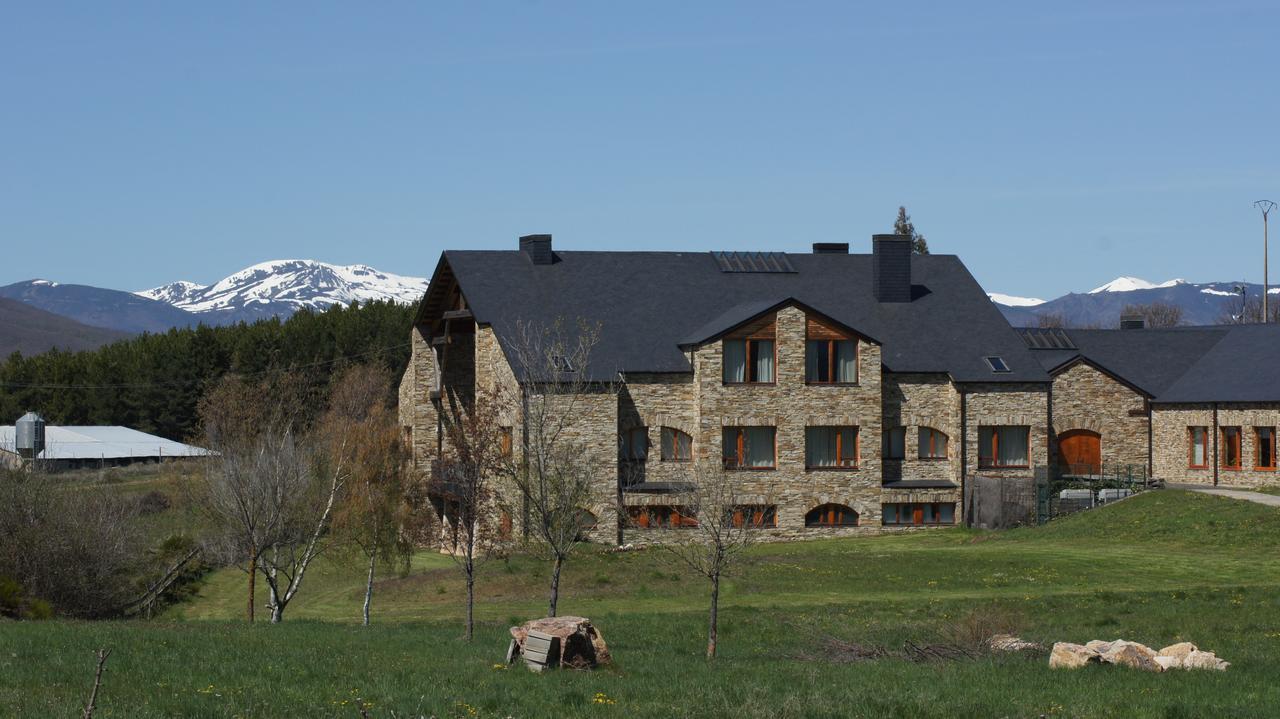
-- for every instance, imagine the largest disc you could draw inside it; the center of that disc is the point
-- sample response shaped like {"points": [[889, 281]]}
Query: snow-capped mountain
{"points": [[1201, 303], [282, 287], [1012, 301], [1129, 284]]}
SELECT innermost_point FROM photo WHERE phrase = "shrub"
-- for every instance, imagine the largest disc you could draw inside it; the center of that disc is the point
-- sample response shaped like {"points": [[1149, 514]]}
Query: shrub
{"points": [[153, 502], [975, 628]]}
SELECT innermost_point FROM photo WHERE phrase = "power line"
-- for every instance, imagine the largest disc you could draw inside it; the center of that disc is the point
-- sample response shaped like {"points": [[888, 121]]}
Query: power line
{"points": [[189, 382]]}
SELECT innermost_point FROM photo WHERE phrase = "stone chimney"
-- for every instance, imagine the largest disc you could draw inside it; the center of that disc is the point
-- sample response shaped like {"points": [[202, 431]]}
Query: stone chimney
{"points": [[891, 267], [538, 248]]}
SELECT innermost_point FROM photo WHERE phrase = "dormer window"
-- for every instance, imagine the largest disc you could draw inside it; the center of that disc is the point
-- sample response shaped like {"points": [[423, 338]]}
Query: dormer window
{"points": [[830, 356], [997, 364], [750, 354]]}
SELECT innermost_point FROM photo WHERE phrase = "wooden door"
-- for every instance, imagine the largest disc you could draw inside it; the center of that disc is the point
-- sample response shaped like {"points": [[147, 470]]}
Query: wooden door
{"points": [[1080, 452]]}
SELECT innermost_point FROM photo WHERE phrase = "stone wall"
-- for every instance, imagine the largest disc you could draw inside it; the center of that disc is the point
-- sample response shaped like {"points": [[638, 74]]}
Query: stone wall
{"points": [[1008, 404], [1087, 398], [1171, 442], [912, 401]]}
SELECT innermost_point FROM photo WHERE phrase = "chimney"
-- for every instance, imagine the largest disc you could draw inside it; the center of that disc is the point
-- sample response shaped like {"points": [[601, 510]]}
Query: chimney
{"points": [[538, 248], [1132, 322], [831, 248], [891, 267]]}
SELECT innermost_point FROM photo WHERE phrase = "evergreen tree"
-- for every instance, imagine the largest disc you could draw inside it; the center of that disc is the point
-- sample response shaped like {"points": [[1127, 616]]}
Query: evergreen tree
{"points": [[903, 226]]}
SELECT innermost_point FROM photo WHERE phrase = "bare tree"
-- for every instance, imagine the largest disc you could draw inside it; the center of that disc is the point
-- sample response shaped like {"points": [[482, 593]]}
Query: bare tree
{"points": [[559, 471], [372, 513], [1051, 320], [717, 524], [479, 434], [1248, 310], [248, 426], [1156, 314]]}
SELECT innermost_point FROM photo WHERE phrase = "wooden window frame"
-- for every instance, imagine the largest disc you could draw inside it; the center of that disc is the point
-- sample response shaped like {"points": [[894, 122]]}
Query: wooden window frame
{"points": [[669, 516], [676, 434], [1257, 449], [993, 461], [831, 362], [1238, 444], [830, 511], [740, 431], [918, 507], [932, 457], [763, 516], [838, 466], [747, 342], [1191, 447]]}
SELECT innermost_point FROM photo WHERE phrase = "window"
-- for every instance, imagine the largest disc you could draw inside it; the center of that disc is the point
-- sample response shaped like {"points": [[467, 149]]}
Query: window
{"points": [[830, 447], [1199, 437], [661, 517], [1001, 446], [748, 361], [997, 364], [755, 516], [918, 514], [676, 445], [634, 446], [1265, 444], [749, 447], [1231, 448], [831, 362], [933, 444], [831, 515], [895, 443], [504, 441]]}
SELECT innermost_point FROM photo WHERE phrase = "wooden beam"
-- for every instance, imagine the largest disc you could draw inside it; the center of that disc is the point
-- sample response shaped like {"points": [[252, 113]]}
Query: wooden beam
{"points": [[458, 315]]}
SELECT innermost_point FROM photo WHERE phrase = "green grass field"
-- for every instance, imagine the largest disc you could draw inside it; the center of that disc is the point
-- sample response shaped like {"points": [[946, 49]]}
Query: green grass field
{"points": [[1162, 567]]}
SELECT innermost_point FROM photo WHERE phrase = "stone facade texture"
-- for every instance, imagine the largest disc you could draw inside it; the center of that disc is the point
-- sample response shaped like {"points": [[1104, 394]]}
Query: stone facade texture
{"points": [[1007, 404], [1085, 398], [1171, 442]]}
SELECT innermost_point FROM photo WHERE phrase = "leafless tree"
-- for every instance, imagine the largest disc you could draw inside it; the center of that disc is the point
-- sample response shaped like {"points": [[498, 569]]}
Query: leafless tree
{"points": [[1248, 310], [559, 471], [372, 512], [1050, 320], [1156, 314], [479, 435], [721, 523]]}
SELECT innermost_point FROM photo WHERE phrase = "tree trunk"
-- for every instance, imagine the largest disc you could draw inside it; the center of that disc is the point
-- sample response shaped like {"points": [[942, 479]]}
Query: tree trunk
{"points": [[555, 586], [714, 618], [368, 587], [253, 580], [471, 600]]}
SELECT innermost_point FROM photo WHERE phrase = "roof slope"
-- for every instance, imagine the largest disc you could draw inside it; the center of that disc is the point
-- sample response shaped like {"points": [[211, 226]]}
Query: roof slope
{"points": [[648, 303], [1220, 363]]}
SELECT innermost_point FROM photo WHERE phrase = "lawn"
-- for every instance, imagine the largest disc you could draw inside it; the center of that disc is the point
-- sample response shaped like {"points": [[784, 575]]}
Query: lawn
{"points": [[1162, 567]]}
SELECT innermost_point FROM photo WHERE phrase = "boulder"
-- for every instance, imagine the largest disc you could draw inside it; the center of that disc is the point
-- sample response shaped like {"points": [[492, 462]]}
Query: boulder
{"points": [[1066, 655], [581, 645], [1178, 651], [1100, 646], [1010, 643], [1166, 662], [1204, 660], [1132, 654]]}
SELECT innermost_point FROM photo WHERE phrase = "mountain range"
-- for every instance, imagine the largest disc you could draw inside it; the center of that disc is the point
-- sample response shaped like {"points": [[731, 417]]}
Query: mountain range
{"points": [[270, 289], [1201, 303]]}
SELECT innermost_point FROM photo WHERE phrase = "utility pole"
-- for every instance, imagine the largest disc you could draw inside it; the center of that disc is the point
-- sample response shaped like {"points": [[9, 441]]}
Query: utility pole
{"points": [[1266, 206]]}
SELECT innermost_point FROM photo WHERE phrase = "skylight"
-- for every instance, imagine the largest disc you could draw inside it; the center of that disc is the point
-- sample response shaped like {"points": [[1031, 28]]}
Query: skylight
{"points": [[753, 262], [997, 364]]}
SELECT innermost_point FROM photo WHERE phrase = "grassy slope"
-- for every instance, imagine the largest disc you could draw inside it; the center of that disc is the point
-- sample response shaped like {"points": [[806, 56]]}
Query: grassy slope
{"points": [[1158, 568]]}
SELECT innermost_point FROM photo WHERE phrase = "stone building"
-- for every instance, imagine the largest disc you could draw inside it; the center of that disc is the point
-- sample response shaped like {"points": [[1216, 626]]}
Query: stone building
{"points": [[843, 392]]}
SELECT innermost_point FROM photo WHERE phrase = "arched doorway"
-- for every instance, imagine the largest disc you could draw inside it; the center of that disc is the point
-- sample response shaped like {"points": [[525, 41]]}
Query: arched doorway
{"points": [[1080, 452]]}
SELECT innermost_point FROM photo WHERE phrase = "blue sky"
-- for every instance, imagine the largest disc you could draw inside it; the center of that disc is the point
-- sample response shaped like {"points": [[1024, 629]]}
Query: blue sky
{"points": [[1052, 147]]}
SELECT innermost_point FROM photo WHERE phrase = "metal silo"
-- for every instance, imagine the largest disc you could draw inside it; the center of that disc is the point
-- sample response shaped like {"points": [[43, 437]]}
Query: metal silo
{"points": [[29, 435]]}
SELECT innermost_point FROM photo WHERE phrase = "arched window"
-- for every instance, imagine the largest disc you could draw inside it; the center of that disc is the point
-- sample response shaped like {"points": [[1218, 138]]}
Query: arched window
{"points": [[831, 515], [933, 444], [676, 445], [586, 520]]}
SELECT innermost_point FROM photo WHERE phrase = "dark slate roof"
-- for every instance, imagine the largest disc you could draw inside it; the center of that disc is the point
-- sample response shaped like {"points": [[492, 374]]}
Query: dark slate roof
{"points": [[1243, 367], [1221, 363], [648, 303]]}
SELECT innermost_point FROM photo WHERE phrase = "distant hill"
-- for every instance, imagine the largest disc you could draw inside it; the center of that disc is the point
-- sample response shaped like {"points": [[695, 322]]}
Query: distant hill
{"points": [[1202, 303], [98, 307], [29, 330]]}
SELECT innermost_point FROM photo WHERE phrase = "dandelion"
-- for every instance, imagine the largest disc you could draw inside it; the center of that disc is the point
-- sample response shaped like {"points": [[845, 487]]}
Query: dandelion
{"points": [[499, 667], [602, 698]]}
